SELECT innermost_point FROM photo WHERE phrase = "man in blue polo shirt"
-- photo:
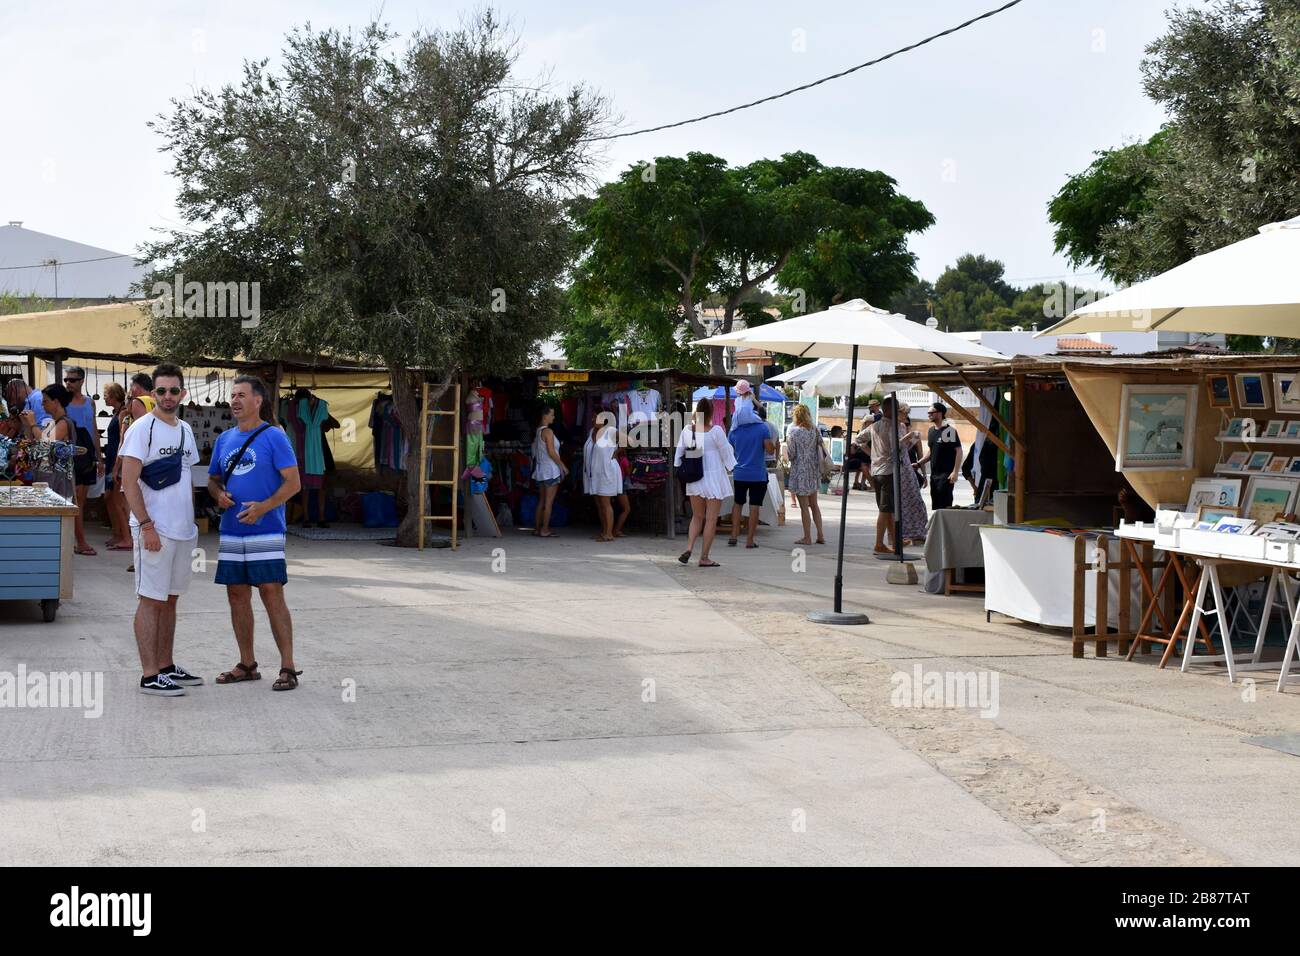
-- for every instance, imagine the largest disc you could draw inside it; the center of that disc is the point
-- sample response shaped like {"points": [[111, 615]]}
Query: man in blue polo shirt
{"points": [[253, 473], [751, 441]]}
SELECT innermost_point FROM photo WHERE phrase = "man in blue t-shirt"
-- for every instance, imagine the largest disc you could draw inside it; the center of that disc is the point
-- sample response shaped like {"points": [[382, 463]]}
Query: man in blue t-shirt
{"points": [[751, 441], [251, 553]]}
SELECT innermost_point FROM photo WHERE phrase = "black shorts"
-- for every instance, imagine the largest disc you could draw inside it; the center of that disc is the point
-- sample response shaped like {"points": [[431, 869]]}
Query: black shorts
{"points": [[885, 494], [751, 492]]}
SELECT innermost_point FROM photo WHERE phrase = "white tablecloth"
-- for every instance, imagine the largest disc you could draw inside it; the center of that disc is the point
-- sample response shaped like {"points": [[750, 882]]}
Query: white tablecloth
{"points": [[1029, 575]]}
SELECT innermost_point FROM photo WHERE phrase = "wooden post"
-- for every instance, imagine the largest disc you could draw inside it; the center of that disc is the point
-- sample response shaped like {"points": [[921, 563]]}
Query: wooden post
{"points": [[1102, 624], [424, 458], [1080, 569], [1125, 594], [670, 486], [1022, 450]]}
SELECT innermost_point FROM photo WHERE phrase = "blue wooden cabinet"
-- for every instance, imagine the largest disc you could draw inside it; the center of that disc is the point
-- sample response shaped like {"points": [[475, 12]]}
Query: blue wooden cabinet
{"points": [[36, 547]]}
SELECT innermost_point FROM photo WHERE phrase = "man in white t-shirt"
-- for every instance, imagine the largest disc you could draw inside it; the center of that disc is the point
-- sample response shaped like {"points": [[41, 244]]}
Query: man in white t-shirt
{"points": [[159, 450]]}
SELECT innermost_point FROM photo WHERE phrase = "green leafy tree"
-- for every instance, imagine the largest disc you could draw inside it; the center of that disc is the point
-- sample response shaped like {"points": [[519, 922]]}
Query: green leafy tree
{"points": [[401, 208], [697, 230], [1226, 162]]}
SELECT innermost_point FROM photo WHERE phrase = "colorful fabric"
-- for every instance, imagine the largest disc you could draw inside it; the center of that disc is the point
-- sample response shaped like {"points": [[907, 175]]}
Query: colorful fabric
{"points": [[313, 454]]}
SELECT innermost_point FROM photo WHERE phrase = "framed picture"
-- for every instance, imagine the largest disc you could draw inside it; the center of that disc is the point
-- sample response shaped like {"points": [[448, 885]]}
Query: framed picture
{"points": [[1268, 497], [1220, 389], [1237, 427], [1286, 392], [1278, 466], [1252, 390], [1294, 467], [1236, 461], [1259, 461], [1156, 427], [1209, 514], [837, 451], [1220, 492], [1292, 430], [1275, 428]]}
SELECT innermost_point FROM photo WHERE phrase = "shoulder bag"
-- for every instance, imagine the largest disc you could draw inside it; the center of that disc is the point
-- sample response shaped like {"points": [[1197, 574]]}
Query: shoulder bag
{"points": [[692, 466]]}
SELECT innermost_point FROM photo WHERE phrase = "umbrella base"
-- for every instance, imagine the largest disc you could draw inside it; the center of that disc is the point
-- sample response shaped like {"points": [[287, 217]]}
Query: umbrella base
{"points": [[893, 557], [837, 617]]}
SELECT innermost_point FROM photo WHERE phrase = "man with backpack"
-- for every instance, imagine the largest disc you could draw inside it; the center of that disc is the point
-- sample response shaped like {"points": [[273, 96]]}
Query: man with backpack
{"points": [[253, 473]]}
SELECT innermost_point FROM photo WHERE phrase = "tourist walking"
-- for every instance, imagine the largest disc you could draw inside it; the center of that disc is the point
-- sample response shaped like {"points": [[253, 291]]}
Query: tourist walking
{"points": [[912, 515], [53, 426], [804, 449], [943, 455], [601, 476], [157, 453], [548, 471], [750, 440], [253, 472], [705, 459], [884, 441], [120, 540], [88, 465]]}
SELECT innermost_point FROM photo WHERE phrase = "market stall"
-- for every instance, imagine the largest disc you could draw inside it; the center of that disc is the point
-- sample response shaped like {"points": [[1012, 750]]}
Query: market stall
{"points": [[36, 545], [649, 406]]}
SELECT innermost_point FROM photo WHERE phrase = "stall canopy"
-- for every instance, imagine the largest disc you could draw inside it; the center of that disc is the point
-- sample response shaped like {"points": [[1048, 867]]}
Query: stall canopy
{"points": [[1251, 287], [832, 377], [1097, 382]]}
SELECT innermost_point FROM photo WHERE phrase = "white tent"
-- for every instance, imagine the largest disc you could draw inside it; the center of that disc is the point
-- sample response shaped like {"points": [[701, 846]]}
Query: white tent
{"points": [[1251, 287], [834, 376]]}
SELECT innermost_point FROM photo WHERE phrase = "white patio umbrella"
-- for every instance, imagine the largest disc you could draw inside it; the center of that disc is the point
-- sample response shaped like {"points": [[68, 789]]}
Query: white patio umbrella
{"points": [[1251, 287], [858, 332]]}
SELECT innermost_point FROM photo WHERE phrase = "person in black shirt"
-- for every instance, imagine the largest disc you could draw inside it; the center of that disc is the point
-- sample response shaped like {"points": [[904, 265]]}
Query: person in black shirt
{"points": [[943, 453]]}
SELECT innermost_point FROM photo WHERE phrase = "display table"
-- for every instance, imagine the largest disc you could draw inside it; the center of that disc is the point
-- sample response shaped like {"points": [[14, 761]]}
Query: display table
{"points": [[36, 546], [1050, 579], [952, 541], [1207, 558]]}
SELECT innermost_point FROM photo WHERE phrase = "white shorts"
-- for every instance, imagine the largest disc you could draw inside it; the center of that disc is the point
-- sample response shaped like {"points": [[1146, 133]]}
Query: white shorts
{"points": [[160, 574]]}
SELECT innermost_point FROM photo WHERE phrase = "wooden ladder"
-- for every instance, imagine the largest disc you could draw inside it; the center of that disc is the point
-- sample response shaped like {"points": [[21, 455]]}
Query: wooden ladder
{"points": [[427, 416]]}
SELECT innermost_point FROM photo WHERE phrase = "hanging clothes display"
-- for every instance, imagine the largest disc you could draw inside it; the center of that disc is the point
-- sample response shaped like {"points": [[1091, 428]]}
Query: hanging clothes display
{"points": [[386, 430]]}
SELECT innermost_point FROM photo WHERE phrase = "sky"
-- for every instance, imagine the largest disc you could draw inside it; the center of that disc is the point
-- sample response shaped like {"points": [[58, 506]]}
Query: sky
{"points": [[983, 127]]}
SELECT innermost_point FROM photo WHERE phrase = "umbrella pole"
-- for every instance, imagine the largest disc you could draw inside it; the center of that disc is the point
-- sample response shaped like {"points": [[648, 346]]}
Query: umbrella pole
{"points": [[838, 615]]}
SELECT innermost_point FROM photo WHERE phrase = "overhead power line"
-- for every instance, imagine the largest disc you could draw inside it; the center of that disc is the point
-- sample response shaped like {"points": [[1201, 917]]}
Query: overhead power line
{"points": [[67, 262], [824, 79]]}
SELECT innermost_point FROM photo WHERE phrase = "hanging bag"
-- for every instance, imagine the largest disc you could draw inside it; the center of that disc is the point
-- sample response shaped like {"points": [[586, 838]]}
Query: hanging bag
{"points": [[692, 466], [825, 458], [166, 471], [234, 462]]}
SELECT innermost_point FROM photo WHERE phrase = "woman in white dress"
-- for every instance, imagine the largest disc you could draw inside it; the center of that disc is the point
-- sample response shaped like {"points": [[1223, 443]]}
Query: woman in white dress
{"points": [[701, 439], [548, 471], [601, 476]]}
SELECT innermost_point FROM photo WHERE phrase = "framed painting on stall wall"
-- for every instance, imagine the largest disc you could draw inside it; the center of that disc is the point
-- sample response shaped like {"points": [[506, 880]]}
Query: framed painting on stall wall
{"points": [[1278, 465], [1294, 467], [1268, 497], [1252, 390], [1236, 427], [1157, 427], [1209, 514], [1224, 492], [1220, 389], [1259, 461], [1286, 392], [1237, 461], [1274, 429], [1292, 430]]}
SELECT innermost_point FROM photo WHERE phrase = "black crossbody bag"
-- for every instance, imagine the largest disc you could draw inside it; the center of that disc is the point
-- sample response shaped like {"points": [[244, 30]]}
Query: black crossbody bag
{"points": [[234, 462]]}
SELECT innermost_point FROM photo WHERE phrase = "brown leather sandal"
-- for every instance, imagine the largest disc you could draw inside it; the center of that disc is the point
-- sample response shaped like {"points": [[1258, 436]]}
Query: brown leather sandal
{"points": [[239, 673], [287, 680]]}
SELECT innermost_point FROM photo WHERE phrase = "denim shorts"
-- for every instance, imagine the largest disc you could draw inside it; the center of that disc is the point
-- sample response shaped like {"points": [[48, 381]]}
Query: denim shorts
{"points": [[547, 482]]}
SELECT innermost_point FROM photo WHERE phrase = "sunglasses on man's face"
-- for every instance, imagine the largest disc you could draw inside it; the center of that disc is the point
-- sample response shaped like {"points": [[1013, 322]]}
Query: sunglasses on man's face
{"points": [[71, 381], [172, 390]]}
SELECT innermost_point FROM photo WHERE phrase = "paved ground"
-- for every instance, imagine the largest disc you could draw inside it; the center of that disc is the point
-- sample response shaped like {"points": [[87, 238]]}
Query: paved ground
{"points": [[587, 703]]}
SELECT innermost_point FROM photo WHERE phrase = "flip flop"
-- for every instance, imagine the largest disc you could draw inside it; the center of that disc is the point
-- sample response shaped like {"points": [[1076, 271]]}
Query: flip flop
{"points": [[751, 546], [120, 547], [711, 564], [88, 552], [731, 542]]}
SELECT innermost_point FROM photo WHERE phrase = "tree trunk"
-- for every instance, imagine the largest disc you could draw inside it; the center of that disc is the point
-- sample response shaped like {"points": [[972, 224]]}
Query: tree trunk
{"points": [[406, 398]]}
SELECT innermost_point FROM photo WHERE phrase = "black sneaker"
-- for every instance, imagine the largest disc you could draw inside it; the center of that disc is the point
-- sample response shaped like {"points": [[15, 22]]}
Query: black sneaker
{"points": [[180, 675], [160, 685]]}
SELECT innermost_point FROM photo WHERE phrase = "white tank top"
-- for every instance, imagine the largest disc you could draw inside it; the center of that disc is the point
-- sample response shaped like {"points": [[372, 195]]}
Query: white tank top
{"points": [[543, 465]]}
